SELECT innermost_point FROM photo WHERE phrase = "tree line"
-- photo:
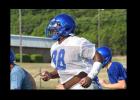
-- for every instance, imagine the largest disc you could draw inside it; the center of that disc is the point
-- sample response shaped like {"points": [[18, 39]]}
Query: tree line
{"points": [[104, 27]]}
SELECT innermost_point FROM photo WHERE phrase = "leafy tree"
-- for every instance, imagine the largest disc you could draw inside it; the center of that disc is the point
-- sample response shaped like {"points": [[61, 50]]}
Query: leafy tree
{"points": [[112, 31]]}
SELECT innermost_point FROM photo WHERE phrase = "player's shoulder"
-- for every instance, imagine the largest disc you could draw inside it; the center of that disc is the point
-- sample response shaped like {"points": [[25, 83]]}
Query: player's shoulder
{"points": [[117, 65], [76, 40], [17, 69], [54, 45]]}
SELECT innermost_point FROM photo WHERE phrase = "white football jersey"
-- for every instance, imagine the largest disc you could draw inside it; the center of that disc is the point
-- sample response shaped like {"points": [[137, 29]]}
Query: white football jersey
{"points": [[72, 56]]}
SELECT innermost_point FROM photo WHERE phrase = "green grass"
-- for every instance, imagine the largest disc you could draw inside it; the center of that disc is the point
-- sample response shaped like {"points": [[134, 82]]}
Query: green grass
{"points": [[35, 68], [122, 59]]}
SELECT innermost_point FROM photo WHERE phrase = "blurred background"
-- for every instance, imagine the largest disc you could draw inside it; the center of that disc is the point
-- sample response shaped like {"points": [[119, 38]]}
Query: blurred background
{"points": [[104, 27]]}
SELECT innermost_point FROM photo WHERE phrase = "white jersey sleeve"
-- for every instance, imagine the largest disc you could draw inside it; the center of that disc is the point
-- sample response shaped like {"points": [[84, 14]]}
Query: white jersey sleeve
{"points": [[87, 49]]}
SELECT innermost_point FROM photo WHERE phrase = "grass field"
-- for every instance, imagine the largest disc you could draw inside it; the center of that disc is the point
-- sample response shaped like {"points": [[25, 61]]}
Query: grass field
{"points": [[35, 68]]}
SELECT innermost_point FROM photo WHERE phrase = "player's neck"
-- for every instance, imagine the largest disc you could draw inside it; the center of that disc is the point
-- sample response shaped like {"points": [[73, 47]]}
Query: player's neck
{"points": [[61, 40], [11, 66], [109, 64]]}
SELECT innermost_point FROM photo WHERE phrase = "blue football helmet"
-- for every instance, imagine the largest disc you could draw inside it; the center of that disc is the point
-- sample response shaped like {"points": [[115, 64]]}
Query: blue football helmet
{"points": [[12, 56], [106, 54], [61, 25]]}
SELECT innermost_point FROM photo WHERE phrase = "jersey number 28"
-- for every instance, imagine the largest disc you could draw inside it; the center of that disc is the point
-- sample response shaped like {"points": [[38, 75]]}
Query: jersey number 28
{"points": [[58, 59]]}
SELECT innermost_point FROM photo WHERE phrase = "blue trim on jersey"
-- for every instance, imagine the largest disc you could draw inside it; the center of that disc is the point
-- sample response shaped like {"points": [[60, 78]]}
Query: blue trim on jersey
{"points": [[96, 81], [116, 72], [58, 59]]}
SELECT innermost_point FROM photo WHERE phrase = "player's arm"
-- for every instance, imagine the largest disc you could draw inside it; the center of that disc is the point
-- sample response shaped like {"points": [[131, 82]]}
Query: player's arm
{"points": [[49, 75], [16, 81], [97, 65], [121, 84], [74, 80], [54, 74]]}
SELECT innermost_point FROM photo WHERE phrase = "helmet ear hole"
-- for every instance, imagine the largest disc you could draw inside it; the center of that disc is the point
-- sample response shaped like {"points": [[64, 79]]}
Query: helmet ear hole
{"points": [[58, 24]]}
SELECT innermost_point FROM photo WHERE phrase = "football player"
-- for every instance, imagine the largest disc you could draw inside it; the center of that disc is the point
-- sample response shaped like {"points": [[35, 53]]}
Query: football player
{"points": [[19, 78], [70, 56], [116, 72]]}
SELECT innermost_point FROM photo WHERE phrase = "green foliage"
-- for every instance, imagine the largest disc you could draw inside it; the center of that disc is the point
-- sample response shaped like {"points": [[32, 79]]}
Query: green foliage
{"points": [[17, 57], [37, 58], [29, 58], [25, 58], [110, 32]]}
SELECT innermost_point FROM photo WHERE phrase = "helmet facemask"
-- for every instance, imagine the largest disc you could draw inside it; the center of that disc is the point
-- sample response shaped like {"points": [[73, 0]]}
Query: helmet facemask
{"points": [[53, 30], [106, 61]]}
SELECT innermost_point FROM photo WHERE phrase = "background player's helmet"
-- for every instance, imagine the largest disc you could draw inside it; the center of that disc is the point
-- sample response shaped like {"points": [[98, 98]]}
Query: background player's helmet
{"points": [[61, 25], [106, 53], [12, 56]]}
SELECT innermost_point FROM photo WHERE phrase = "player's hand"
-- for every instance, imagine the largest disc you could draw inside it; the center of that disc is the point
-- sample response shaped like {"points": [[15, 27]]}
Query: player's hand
{"points": [[45, 76], [60, 87], [102, 82], [85, 82]]}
